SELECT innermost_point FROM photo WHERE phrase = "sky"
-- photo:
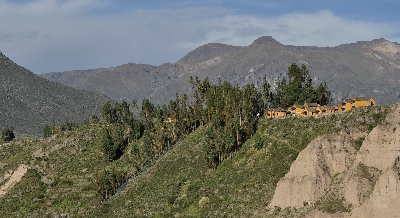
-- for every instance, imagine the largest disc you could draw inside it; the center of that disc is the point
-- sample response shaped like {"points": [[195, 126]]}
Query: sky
{"points": [[60, 35]]}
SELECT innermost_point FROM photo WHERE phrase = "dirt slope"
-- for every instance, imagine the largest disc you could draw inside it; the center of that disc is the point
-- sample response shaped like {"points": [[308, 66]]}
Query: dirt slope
{"points": [[13, 179], [332, 177]]}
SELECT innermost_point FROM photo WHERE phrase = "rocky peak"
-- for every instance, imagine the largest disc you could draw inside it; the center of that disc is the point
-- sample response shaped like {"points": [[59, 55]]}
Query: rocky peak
{"points": [[265, 40], [205, 52]]}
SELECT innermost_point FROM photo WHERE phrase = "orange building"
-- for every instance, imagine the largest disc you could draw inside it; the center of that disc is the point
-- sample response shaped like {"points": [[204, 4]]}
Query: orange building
{"points": [[373, 102], [310, 111], [319, 109], [329, 109], [276, 112], [363, 101], [339, 107], [347, 104], [298, 109]]}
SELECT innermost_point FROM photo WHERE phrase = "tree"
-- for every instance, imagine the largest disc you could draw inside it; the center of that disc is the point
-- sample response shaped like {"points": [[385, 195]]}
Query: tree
{"points": [[278, 97], [107, 144], [266, 92], [323, 95], [95, 119], [113, 141], [7, 134], [134, 106], [148, 110], [107, 112], [47, 131], [298, 89]]}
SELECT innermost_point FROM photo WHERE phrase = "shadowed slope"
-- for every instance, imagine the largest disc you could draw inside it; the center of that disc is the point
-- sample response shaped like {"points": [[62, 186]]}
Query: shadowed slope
{"points": [[29, 102]]}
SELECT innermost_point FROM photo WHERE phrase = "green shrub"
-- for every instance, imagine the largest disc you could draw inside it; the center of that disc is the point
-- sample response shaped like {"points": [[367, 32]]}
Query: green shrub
{"points": [[7, 134], [333, 204], [357, 143]]}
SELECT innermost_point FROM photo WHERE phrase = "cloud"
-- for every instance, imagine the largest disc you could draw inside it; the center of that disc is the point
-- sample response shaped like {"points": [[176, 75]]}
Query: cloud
{"points": [[58, 35], [322, 28]]}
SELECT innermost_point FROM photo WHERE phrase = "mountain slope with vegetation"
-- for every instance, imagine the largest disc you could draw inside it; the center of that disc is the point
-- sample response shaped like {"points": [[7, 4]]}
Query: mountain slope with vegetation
{"points": [[195, 158], [180, 184], [63, 170], [29, 102], [369, 69]]}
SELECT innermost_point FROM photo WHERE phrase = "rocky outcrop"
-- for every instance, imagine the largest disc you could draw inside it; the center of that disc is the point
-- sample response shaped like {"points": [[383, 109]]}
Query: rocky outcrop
{"points": [[366, 180]]}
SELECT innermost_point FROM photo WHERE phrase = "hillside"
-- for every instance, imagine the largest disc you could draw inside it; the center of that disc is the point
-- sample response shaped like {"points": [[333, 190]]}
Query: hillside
{"points": [[357, 69], [29, 102], [340, 150]]}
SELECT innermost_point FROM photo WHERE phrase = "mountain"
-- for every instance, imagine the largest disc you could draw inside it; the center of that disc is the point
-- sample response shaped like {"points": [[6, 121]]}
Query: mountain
{"points": [[29, 102], [369, 68]]}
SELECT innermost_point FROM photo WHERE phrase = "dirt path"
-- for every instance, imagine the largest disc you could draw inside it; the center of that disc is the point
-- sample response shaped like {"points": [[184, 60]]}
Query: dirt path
{"points": [[14, 179]]}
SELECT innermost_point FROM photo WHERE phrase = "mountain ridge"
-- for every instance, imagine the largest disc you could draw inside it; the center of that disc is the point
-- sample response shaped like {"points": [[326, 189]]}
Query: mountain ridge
{"points": [[365, 68]]}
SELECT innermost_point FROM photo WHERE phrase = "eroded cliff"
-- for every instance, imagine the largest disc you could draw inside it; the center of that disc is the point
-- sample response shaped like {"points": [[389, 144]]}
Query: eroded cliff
{"points": [[353, 173]]}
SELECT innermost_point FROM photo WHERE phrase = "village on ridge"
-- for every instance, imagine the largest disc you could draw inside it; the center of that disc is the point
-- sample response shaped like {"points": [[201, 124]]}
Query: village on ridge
{"points": [[312, 109]]}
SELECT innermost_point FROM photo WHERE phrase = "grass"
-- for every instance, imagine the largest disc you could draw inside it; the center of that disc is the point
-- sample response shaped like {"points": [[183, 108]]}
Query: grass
{"points": [[241, 186], [178, 183]]}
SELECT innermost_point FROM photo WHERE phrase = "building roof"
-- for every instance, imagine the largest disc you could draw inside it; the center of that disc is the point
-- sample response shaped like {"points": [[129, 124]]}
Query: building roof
{"points": [[361, 99], [348, 100], [329, 107], [311, 109], [311, 104], [298, 106], [279, 109]]}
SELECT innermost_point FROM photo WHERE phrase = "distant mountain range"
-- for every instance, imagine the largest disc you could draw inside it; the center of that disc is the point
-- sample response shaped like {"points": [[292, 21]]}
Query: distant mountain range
{"points": [[29, 102], [358, 69]]}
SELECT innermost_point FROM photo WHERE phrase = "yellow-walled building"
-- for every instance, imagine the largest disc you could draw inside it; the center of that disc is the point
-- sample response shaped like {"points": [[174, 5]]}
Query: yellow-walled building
{"points": [[276, 112], [360, 101], [319, 109], [363, 101], [329, 109], [347, 104], [310, 111], [298, 109]]}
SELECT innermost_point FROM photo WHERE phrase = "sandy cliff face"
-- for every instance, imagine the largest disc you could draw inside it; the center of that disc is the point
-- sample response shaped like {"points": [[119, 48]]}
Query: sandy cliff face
{"points": [[312, 171], [366, 181], [384, 201]]}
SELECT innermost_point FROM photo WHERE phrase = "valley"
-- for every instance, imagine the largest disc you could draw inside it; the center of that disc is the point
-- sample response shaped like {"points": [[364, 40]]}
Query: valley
{"points": [[265, 130]]}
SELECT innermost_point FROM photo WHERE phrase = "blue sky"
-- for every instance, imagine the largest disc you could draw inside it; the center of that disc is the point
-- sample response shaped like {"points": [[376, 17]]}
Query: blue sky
{"points": [[60, 35]]}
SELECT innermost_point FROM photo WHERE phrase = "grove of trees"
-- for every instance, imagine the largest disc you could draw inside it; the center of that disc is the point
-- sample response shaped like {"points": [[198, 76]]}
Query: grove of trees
{"points": [[298, 89], [229, 112]]}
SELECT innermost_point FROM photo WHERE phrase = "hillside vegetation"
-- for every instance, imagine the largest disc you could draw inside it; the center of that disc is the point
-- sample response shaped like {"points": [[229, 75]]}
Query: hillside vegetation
{"points": [[64, 170], [29, 102], [213, 156]]}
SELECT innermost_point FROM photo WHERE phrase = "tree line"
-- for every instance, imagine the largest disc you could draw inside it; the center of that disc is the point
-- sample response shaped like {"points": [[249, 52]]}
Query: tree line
{"points": [[229, 112]]}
